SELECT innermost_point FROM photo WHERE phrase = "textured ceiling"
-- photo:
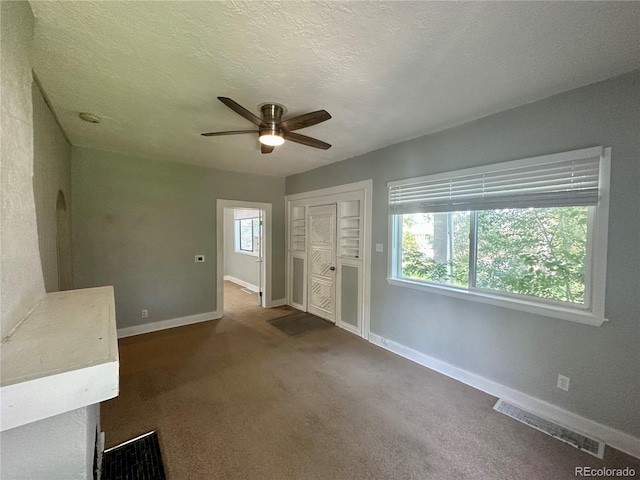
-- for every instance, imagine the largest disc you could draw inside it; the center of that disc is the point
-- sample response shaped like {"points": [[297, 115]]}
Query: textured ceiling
{"points": [[386, 71]]}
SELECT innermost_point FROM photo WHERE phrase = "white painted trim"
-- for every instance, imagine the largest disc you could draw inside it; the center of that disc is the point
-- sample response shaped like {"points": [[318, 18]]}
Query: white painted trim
{"points": [[289, 284], [242, 283], [44, 397], [345, 188], [593, 313], [357, 264], [335, 195], [554, 311], [164, 324], [267, 237], [600, 238], [348, 327], [366, 260], [615, 438], [277, 303]]}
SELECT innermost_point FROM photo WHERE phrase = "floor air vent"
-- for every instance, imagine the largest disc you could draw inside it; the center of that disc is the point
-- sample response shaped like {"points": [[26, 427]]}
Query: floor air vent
{"points": [[586, 444]]}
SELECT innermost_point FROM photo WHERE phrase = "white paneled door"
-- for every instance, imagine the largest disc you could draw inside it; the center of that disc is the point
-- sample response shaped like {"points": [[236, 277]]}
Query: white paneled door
{"points": [[321, 282]]}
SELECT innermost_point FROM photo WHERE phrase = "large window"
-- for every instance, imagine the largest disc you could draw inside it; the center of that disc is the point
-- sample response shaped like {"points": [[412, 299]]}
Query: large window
{"points": [[529, 234]]}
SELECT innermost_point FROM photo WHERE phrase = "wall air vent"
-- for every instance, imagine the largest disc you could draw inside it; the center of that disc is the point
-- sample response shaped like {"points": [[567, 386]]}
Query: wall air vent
{"points": [[575, 439]]}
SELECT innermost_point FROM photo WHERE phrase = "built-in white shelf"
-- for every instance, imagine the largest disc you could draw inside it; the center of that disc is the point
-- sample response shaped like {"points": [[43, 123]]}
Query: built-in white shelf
{"points": [[349, 217], [298, 230], [62, 357]]}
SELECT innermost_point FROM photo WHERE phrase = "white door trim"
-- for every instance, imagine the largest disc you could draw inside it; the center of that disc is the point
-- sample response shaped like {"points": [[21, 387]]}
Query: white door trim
{"points": [[333, 195], [267, 301]]}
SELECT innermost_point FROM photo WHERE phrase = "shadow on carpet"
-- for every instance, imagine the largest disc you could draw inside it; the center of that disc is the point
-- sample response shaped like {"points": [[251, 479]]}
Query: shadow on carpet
{"points": [[137, 459], [300, 324]]}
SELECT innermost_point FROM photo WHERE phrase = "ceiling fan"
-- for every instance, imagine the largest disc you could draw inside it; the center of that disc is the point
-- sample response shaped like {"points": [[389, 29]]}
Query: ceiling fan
{"points": [[272, 130]]}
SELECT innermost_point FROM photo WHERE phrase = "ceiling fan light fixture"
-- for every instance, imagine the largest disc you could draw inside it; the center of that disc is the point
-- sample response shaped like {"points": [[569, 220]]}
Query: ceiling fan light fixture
{"points": [[272, 131], [271, 138]]}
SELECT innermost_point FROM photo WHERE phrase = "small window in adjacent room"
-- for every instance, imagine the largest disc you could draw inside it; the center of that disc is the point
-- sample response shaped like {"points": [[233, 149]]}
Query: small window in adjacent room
{"points": [[529, 234], [247, 231]]}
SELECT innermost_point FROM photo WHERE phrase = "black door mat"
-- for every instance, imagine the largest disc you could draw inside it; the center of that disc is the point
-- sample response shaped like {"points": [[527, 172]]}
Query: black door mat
{"points": [[300, 324], [137, 459]]}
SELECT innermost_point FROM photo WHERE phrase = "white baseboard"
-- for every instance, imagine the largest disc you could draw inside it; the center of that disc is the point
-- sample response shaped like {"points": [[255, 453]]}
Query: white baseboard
{"points": [[164, 324], [615, 438], [242, 283], [276, 303], [349, 328]]}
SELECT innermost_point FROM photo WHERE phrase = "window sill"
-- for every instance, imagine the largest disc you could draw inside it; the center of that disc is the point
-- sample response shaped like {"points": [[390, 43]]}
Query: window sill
{"points": [[571, 314]]}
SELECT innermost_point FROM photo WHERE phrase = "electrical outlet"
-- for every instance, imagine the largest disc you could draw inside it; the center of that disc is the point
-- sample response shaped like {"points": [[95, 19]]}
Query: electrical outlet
{"points": [[199, 258], [145, 313], [563, 382]]}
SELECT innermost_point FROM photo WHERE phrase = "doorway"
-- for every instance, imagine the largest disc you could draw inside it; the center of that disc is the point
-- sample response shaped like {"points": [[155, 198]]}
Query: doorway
{"points": [[243, 257], [243, 267]]}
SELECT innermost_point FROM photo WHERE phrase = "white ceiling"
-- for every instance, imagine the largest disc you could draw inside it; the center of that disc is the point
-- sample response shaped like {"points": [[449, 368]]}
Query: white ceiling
{"points": [[385, 71]]}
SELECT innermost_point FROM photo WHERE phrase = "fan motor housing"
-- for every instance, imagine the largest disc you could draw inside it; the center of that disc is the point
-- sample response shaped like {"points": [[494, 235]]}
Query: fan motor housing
{"points": [[271, 113]]}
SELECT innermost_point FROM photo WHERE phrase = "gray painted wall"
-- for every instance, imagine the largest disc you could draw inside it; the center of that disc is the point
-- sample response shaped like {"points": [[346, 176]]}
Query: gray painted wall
{"points": [[520, 350], [137, 224], [51, 174], [21, 273], [238, 265]]}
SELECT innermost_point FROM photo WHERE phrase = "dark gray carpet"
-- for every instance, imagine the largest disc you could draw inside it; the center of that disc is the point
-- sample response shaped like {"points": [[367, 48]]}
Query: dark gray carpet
{"points": [[300, 324], [139, 459], [235, 398]]}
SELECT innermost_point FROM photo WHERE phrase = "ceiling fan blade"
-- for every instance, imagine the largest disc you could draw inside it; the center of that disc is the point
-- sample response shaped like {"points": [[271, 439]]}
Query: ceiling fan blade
{"points": [[239, 109], [306, 120], [266, 148], [230, 132], [304, 140]]}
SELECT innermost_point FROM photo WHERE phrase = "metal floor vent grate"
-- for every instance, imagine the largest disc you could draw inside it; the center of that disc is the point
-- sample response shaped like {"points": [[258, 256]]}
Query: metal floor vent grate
{"points": [[581, 442]]}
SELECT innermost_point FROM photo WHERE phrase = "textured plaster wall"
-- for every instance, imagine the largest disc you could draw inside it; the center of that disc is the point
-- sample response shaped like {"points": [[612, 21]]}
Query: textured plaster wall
{"points": [[51, 174], [516, 349], [56, 448], [59, 447], [238, 265], [21, 273], [137, 224]]}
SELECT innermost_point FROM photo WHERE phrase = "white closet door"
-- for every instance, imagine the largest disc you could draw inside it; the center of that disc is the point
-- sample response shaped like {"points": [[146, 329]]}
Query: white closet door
{"points": [[321, 282]]}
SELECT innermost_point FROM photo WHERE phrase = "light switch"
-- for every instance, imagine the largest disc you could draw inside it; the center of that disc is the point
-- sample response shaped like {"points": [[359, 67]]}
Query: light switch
{"points": [[379, 247]]}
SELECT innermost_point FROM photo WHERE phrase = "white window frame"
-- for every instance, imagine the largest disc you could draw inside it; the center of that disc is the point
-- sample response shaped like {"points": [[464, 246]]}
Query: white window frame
{"points": [[591, 313], [237, 234]]}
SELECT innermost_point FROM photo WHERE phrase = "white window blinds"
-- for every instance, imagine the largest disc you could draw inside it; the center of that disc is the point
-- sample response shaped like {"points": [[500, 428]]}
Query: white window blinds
{"points": [[564, 179]]}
